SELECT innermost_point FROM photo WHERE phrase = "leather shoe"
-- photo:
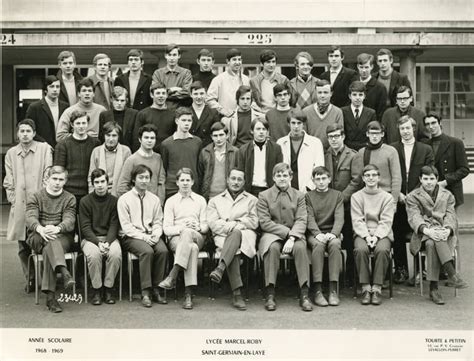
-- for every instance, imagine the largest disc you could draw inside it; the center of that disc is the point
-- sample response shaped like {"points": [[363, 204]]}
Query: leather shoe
{"points": [[188, 302], [376, 298], [320, 300], [53, 306], [333, 299], [216, 275], [238, 302], [68, 280], [435, 296], [305, 303], [366, 297], [168, 283], [270, 304], [158, 298], [97, 298], [146, 302], [109, 299], [458, 282]]}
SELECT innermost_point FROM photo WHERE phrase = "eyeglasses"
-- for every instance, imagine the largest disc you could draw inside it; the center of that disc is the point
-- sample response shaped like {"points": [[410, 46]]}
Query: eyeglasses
{"points": [[371, 175], [374, 133], [335, 136], [403, 98]]}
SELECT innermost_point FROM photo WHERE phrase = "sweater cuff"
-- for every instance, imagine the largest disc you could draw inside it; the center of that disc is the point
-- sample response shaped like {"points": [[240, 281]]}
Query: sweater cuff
{"points": [[421, 229]]}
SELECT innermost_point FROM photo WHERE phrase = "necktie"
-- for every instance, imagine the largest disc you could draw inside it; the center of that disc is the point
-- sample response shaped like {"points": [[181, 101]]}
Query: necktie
{"points": [[357, 116]]}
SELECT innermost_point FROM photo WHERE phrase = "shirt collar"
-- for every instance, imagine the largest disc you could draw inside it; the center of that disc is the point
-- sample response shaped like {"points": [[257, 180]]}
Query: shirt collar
{"points": [[301, 79], [277, 192], [33, 148], [337, 152], [50, 102], [138, 194], [180, 197], [360, 109], [175, 70], [175, 136], [337, 71]]}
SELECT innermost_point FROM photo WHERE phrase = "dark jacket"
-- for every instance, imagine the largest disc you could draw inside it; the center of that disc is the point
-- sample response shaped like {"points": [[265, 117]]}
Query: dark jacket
{"points": [[390, 122], [452, 165], [356, 137], [127, 127], [202, 127], [376, 97], [421, 155], [206, 163], [99, 93], [142, 95], [245, 161], [39, 111], [396, 81], [62, 90], [340, 88]]}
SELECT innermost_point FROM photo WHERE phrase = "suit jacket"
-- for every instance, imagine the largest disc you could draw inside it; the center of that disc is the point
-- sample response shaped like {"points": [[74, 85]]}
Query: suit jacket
{"points": [[41, 114], [256, 85], [245, 159], [451, 163], [232, 123], [127, 127], [62, 90], [376, 97], [422, 210], [340, 87], [396, 80], [421, 155], [390, 122], [202, 127], [142, 95], [99, 93], [356, 137], [346, 179]]}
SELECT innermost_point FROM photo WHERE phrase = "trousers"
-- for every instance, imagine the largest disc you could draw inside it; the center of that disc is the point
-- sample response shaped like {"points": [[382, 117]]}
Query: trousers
{"points": [[186, 248], [231, 259], [113, 260], [437, 254], [318, 249], [381, 255]]}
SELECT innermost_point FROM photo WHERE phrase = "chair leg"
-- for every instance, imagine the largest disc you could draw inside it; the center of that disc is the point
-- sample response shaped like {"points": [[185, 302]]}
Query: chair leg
{"points": [[355, 281], [37, 271], [420, 273], [455, 260], [390, 276], [85, 279], [247, 271], [130, 272], [120, 282]]}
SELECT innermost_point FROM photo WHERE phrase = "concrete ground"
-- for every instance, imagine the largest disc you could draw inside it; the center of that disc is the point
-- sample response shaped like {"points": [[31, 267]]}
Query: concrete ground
{"points": [[406, 311]]}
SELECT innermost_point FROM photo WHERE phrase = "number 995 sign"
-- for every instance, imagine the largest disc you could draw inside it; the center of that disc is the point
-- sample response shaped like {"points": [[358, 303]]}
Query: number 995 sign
{"points": [[259, 38]]}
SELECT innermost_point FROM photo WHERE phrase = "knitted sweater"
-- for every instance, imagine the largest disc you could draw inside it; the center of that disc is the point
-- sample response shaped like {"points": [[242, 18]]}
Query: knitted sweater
{"points": [[317, 123], [205, 77], [278, 122], [325, 212], [98, 217], [162, 119], [64, 128], [75, 155], [372, 212], [45, 209]]}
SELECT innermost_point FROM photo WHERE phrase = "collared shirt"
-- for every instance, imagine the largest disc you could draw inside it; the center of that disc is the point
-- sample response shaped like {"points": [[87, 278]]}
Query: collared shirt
{"points": [[176, 136], [334, 73], [54, 107], [220, 154], [360, 111], [259, 169], [21, 150], [180, 209], [71, 90], [366, 80], [178, 77]]}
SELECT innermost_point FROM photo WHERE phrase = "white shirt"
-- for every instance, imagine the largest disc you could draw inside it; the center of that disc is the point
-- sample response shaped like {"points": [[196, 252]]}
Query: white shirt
{"points": [[198, 111], [259, 171], [54, 107], [354, 108], [71, 90], [333, 74]]}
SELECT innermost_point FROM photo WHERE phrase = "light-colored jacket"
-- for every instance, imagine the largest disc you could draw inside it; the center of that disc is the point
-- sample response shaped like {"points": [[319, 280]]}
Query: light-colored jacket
{"points": [[223, 213], [311, 155], [232, 123], [24, 176]]}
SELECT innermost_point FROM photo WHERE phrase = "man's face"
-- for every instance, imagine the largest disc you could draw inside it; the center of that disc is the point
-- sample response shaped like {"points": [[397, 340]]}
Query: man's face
{"points": [[79, 126], [55, 182], [219, 137], [148, 140], [102, 67], [428, 182], [323, 94], [384, 62], [159, 96], [303, 66], [375, 136], [184, 182], [335, 59], [245, 101], [53, 89], [403, 100], [357, 98], [25, 134], [259, 132], [321, 181], [336, 140], [111, 139], [270, 65], [296, 127], [142, 181], [184, 123], [433, 126], [198, 96], [67, 65], [235, 63], [406, 131], [283, 98], [119, 103], [86, 95], [371, 178], [205, 63], [365, 70], [100, 185], [135, 63], [172, 57], [236, 181], [282, 179]]}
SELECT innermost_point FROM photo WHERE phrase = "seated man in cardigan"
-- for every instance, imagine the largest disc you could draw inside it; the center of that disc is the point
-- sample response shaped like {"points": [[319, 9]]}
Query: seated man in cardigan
{"points": [[372, 211], [50, 218], [431, 214]]}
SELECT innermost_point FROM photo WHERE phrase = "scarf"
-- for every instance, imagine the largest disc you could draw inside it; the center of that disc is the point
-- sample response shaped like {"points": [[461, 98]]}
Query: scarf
{"points": [[368, 150], [323, 108]]}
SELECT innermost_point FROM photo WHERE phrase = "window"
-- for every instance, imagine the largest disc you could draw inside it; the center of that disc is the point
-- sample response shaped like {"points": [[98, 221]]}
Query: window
{"points": [[464, 92]]}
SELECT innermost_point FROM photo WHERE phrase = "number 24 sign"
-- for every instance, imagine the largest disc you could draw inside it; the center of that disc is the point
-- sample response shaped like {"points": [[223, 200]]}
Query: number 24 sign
{"points": [[8, 39], [259, 38]]}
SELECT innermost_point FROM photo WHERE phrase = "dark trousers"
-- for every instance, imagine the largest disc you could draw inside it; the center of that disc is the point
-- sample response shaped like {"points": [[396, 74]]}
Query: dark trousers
{"points": [[401, 229], [24, 252], [231, 259], [256, 190], [382, 258], [348, 241], [53, 256], [151, 260], [437, 254]]}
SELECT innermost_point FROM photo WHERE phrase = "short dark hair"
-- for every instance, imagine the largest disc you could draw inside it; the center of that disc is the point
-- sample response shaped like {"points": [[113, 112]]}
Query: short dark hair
{"points": [[232, 52], [375, 125], [429, 170], [66, 54], [281, 87], [135, 52], [139, 169], [364, 58], [320, 171], [370, 167], [157, 85], [118, 91], [433, 114], [334, 48], [184, 170], [259, 120], [384, 51], [205, 52], [296, 114], [146, 128], [334, 127], [241, 90], [282, 167], [97, 173], [219, 126], [266, 55], [323, 82], [50, 79], [403, 89], [195, 85], [357, 86], [84, 83], [182, 111], [110, 126], [27, 121], [169, 48], [76, 114]]}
